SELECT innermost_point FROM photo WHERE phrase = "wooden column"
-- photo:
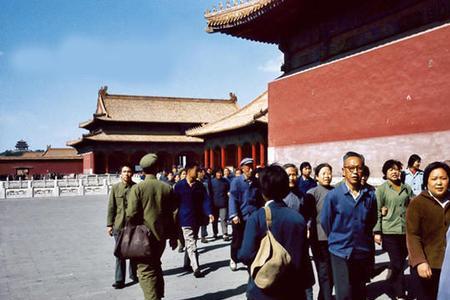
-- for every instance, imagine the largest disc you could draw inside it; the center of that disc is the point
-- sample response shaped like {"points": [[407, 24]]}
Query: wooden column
{"points": [[254, 155], [211, 158], [222, 157], [206, 155], [262, 154], [239, 155]]}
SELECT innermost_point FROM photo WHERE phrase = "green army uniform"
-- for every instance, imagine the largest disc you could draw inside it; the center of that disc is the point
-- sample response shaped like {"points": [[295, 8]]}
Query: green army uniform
{"points": [[152, 203], [116, 219]]}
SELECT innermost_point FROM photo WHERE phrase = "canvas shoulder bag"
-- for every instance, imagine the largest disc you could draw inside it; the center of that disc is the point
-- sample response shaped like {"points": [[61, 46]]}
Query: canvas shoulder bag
{"points": [[271, 260]]}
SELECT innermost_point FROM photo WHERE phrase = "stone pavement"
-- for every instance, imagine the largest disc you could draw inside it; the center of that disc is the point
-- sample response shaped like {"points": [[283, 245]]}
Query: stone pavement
{"points": [[57, 248]]}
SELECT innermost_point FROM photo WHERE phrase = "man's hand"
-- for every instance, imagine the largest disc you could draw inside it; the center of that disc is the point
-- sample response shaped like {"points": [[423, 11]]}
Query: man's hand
{"points": [[173, 243], [236, 220], [109, 230], [377, 239], [424, 270], [211, 218]]}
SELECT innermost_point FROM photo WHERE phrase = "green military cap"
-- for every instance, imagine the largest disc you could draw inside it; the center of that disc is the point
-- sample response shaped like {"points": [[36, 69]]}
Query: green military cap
{"points": [[148, 160]]}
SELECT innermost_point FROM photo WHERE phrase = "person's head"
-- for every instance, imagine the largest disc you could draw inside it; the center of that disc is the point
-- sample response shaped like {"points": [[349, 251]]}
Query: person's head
{"points": [[274, 183], [305, 169], [324, 174], [365, 175], [391, 170], [218, 173], [183, 174], [353, 164], [148, 164], [176, 178], [209, 171], [414, 162], [226, 172], [238, 172], [247, 166], [191, 171], [126, 172], [170, 176], [201, 173], [436, 179], [292, 173]]}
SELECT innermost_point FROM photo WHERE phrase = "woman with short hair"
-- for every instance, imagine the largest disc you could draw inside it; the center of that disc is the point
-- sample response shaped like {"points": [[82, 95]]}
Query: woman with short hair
{"points": [[427, 221]]}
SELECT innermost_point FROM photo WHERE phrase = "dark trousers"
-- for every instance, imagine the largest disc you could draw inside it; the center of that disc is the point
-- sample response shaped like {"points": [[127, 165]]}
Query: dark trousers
{"points": [[395, 245], [204, 231], [350, 277], [121, 266], [238, 236], [427, 289], [324, 272]]}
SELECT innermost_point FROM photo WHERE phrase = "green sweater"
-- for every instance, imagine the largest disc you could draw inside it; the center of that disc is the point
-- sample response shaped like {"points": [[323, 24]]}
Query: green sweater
{"points": [[394, 222]]}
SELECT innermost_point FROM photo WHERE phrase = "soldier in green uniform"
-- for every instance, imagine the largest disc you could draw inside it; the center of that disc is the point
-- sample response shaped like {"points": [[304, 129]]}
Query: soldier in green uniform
{"points": [[115, 221], [152, 203]]}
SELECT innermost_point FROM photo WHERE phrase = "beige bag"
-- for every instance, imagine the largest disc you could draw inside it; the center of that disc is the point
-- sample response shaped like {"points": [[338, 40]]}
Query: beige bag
{"points": [[272, 259]]}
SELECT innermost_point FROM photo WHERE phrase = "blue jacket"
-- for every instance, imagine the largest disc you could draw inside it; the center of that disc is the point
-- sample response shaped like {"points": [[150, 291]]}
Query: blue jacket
{"points": [[219, 193], [289, 229], [245, 197], [306, 185], [194, 205], [349, 223]]}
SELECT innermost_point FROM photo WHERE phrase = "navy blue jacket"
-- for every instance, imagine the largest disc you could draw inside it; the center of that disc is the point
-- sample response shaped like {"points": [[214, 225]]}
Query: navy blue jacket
{"points": [[245, 197], [194, 204], [306, 185], [289, 229], [220, 188], [349, 223]]}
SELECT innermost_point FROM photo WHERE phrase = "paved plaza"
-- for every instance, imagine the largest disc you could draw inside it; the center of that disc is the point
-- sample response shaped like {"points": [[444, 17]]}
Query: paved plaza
{"points": [[57, 248]]}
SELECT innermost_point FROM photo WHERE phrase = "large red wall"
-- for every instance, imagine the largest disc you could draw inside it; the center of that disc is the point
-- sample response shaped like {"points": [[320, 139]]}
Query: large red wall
{"points": [[43, 166], [398, 88]]}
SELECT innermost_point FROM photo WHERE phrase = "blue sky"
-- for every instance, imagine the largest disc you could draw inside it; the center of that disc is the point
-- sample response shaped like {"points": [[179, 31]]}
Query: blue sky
{"points": [[55, 54]]}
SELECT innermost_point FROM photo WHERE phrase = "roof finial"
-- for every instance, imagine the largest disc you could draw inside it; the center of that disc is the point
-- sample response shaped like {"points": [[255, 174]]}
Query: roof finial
{"points": [[102, 92], [228, 4], [233, 97], [235, 3], [220, 6]]}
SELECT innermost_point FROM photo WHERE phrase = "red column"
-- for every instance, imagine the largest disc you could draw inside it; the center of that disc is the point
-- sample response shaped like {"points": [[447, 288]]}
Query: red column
{"points": [[222, 156], [106, 163], [239, 155], [205, 154], [211, 158], [93, 163], [254, 155], [262, 154]]}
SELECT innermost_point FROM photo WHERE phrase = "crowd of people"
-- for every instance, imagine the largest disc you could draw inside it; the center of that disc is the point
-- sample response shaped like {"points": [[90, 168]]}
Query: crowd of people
{"points": [[408, 216]]}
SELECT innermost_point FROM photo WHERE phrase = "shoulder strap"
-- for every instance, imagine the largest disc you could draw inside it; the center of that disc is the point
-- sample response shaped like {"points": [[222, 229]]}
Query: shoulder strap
{"points": [[268, 214]]}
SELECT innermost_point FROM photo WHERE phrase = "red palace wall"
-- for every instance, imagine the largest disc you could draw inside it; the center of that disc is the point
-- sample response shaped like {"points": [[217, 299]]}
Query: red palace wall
{"points": [[88, 163], [42, 166], [400, 88]]}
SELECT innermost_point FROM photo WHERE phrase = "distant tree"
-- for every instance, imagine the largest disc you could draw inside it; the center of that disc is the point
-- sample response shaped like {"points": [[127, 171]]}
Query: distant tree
{"points": [[10, 153], [22, 145]]}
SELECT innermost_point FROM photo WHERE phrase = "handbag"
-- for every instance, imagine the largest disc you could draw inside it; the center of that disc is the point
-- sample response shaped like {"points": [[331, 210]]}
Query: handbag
{"points": [[271, 260], [133, 242]]}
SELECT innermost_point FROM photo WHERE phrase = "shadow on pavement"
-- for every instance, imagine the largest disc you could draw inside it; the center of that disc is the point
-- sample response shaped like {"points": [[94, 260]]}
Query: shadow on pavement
{"points": [[214, 266], [377, 289], [221, 294]]}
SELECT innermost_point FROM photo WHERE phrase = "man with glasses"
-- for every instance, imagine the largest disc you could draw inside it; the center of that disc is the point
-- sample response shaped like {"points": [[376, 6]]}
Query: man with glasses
{"points": [[348, 217]]}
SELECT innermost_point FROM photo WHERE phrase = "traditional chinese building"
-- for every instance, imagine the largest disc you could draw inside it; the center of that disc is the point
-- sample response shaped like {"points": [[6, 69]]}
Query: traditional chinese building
{"points": [[125, 127], [60, 161], [238, 135], [368, 76]]}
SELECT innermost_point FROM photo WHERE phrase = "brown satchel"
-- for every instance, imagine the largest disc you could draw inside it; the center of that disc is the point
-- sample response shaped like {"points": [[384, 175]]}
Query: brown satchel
{"points": [[134, 241], [272, 259]]}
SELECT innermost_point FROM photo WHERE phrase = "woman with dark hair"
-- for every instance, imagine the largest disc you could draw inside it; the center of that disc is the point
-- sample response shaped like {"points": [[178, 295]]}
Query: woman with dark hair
{"points": [[427, 221], [390, 230], [305, 182], [413, 176], [289, 229], [318, 237]]}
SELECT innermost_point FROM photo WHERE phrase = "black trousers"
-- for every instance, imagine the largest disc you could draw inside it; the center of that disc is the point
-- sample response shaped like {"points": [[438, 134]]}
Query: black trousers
{"points": [[324, 272], [427, 289], [238, 236], [350, 277], [395, 245]]}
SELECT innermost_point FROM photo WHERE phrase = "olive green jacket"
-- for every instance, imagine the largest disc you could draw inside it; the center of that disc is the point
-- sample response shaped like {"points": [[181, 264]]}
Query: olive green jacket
{"points": [[117, 205], [152, 202], [394, 222]]}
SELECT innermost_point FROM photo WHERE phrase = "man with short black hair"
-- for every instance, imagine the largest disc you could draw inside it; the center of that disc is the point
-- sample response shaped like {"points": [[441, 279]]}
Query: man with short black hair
{"points": [[116, 221], [348, 217]]}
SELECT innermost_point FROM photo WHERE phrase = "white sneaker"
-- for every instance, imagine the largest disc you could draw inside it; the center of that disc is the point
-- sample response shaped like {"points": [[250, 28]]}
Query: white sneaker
{"points": [[233, 265]]}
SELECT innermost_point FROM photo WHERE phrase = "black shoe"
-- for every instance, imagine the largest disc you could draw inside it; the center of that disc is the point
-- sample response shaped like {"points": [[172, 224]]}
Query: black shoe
{"points": [[198, 274], [180, 249], [204, 240], [226, 238], [187, 268], [134, 279], [118, 285]]}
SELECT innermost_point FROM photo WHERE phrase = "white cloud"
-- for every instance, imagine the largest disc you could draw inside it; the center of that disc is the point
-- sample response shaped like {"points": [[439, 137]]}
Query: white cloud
{"points": [[272, 65]]}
